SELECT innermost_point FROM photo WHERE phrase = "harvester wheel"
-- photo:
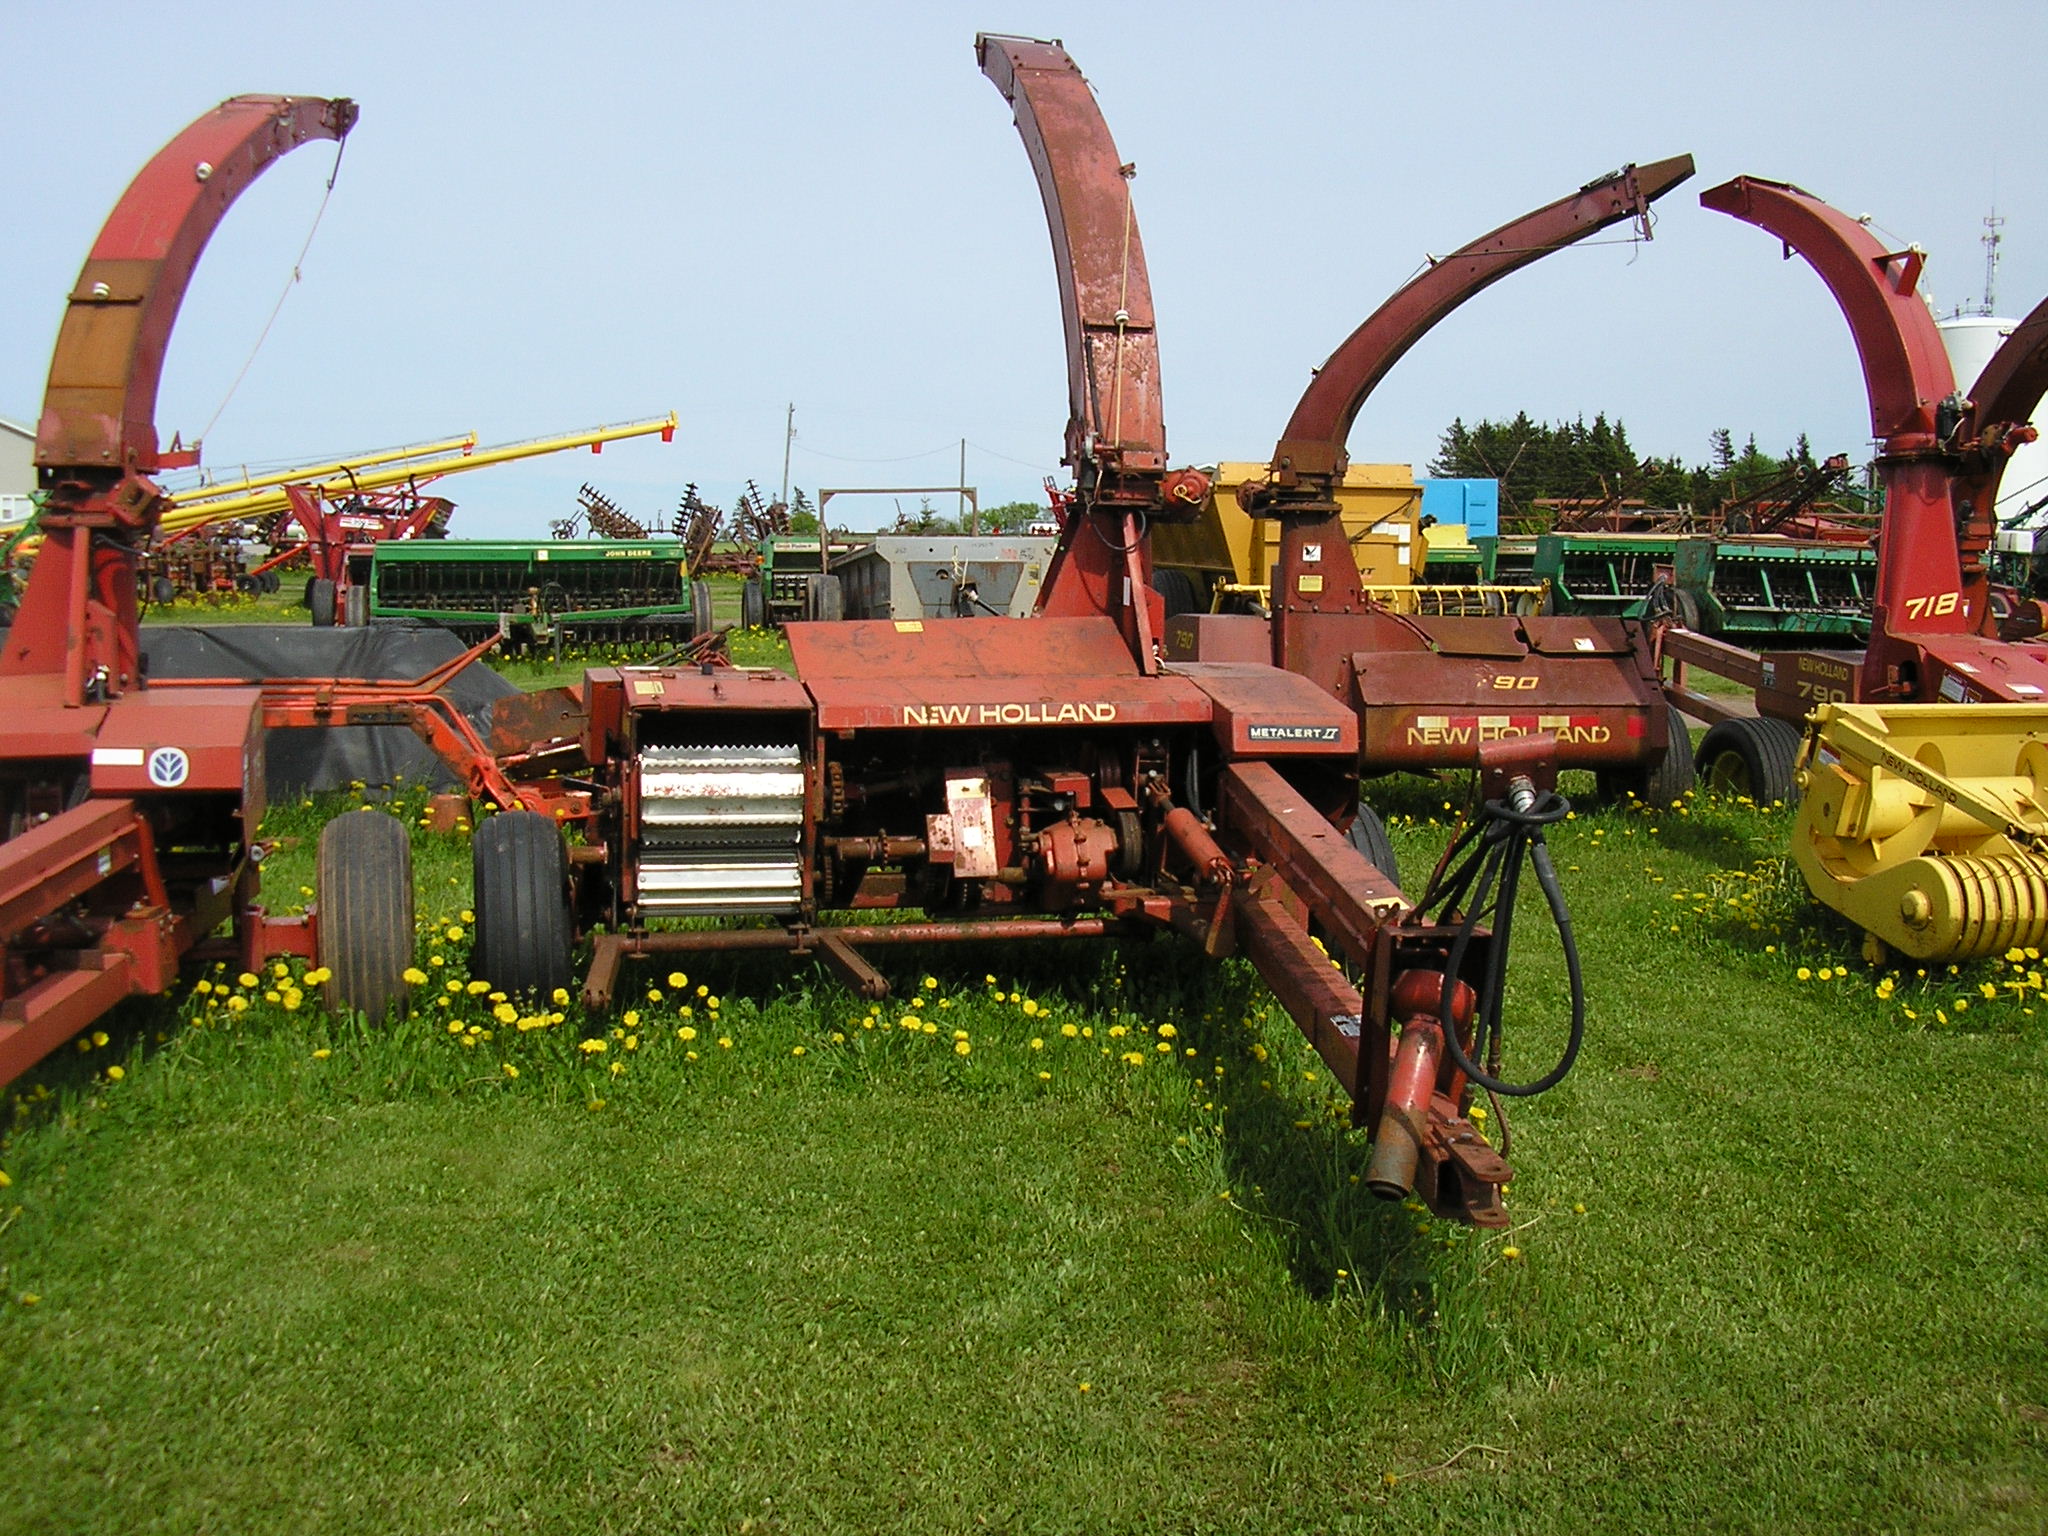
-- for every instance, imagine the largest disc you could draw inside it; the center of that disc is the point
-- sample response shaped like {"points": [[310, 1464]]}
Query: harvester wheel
{"points": [[523, 934], [163, 590], [1668, 781], [1754, 757], [366, 912], [1368, 835], [700, 609], [269, 581], [824, 598], [320, 598], [1177, 589], [753, 605]]}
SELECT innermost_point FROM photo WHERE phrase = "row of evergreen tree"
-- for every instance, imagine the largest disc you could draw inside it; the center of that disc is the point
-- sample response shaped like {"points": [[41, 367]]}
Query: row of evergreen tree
{"points": [[1571, 460]]}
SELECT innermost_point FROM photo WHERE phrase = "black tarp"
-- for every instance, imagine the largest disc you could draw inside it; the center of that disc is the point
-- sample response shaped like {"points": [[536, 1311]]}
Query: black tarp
{"points": [[297, 761]]}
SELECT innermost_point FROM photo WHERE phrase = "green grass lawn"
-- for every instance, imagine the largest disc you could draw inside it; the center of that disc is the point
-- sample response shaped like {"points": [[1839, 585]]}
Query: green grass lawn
{"points": [[1777, 1261]]}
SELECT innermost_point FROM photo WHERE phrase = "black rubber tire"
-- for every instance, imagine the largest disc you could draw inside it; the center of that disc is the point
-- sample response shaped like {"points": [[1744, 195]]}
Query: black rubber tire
{"points": [[355, 607], [701, 622], [163, 590], [1754, 757], [366, 913], [753, 605], [269, 581], [1659, 786], [1177, 589], [1368, 835], [824, 598], [523, 932], [320, 598], [1688, 610]]}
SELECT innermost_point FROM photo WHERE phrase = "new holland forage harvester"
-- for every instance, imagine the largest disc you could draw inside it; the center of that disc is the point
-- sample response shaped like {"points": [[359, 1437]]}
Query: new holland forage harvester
{"points": [[1431, 691], [1925, 766], [1050, 777]]}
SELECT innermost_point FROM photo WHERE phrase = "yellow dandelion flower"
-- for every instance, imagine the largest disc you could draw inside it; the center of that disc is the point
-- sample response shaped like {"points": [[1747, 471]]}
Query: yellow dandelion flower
{"points": [[247, 978], [796, 1050], [654, 994], [1070, 1030], [631, 1017], [1045, 1077], [559, 996], [592, 1047], [505, 1013], [725, 1042], [632, 1042], [1987, 989], [961, 1047], [454, 934], [510, 1070], [116, 1073], [930, 1028], [703, 991], [1167, 1032], [1037, 1043], [478, 988], [1511, 1252], [1804, 974], [617, 1069], [678, 980], [1164, 1045], [238, 1002], [686, 1033], [414, 976], [959, 1034], [931, 983]]}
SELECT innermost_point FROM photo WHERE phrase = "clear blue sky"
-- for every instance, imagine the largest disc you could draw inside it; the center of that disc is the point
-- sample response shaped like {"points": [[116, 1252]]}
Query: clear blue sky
{"points": [[551, 217]]}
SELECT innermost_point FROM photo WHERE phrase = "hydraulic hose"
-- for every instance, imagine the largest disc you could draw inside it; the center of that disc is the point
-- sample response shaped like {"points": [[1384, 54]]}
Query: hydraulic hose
{"points": [[1495, 849]]}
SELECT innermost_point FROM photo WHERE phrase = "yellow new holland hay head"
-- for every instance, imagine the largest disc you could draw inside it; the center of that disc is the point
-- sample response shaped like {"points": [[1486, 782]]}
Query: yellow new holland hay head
{"points": [[1927, 824]]}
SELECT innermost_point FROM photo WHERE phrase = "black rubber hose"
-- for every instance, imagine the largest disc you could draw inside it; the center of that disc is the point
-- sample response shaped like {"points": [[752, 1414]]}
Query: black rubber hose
{"points": [[1508, 837]]}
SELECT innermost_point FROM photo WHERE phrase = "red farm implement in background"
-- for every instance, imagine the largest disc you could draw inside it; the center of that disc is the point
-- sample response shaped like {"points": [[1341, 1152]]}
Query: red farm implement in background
{"points": [[1430, 692], [130, 809], [1048, 778]]}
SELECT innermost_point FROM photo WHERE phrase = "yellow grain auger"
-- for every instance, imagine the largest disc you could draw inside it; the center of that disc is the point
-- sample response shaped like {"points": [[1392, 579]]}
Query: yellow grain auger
{"points": [[1927, 825]]}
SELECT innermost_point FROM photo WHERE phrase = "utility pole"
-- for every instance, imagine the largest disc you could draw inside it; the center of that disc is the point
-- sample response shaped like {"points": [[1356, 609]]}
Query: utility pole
{"points": [[973, 521], [788, 437]]}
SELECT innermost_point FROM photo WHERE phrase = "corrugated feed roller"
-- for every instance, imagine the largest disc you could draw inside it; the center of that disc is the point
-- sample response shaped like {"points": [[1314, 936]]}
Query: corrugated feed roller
{"points": [[1927, 824]]}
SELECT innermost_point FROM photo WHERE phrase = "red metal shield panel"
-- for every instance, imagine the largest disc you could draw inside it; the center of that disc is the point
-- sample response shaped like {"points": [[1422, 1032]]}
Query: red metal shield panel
{"points": [[1264, 712], [989, 703], [178, 740]]}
